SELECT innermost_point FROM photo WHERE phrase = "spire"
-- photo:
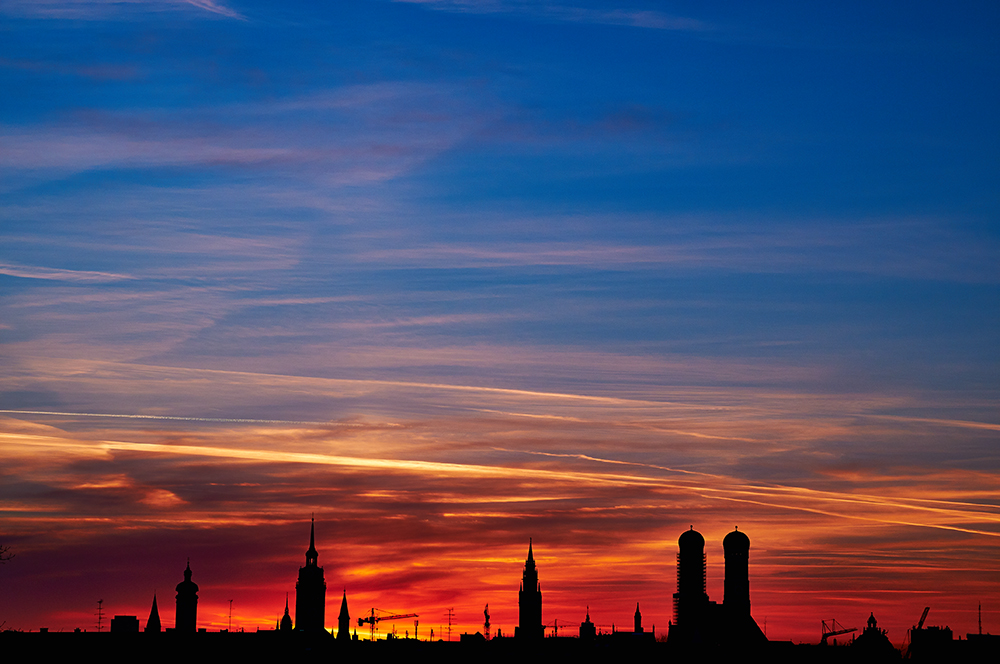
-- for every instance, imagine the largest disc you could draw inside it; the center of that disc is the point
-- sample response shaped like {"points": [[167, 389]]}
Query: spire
{"points": [[286, 620], [344, 615], [531, 557], [153, 623], [344, 620], [312, 555]]}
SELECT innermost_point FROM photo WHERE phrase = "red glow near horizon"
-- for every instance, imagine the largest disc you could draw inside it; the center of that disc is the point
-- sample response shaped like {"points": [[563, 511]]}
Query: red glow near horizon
{"points": [[420, 535]]}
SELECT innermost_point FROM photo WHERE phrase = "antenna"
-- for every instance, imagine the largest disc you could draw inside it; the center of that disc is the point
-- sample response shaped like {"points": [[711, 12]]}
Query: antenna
{"points": [[231, 615], [451, 614], [100, 614]]}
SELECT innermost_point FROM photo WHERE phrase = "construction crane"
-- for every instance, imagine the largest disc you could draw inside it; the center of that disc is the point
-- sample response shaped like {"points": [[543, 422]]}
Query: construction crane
{"points": [[833, 628], [923, 617], [376, 616], [909, 633]]}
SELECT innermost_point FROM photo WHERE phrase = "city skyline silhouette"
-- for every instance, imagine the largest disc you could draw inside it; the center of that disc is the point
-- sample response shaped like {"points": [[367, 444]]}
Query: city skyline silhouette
{"points": [[699, 627], [460, 276]]}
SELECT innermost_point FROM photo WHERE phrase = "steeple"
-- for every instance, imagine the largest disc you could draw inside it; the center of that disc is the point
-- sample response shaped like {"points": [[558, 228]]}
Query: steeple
{"points": [[344, 620], [310, 590], [153, 624], [312, 556], [286, 620], [529, 601]]}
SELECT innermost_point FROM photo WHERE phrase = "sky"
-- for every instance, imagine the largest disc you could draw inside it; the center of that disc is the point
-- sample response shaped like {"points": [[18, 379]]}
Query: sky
{"points": [[450, 275]]}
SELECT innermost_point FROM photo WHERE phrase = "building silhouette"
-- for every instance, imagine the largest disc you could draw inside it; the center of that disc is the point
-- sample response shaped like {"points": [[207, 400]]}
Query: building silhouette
{"points": [[344, 620], [699, 622], [690, 601], [529, 602], [588, 631], [310, 591], [153, 623], [125, 625], [873, 643], [285, 625], [186, 616], [637, 620], [736, 599]]}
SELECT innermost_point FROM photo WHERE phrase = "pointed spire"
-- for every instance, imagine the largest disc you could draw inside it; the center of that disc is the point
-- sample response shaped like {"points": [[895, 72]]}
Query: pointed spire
{"points": [[312, 555], [343, 607], [153, 623], [286, 620], [531, 557]]}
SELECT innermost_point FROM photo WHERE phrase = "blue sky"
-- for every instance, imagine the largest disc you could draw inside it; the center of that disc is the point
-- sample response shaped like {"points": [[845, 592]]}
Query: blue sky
{"points": [[646, 229]]}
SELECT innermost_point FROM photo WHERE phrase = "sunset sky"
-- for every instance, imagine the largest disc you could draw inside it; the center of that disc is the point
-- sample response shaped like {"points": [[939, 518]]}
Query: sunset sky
{"points": [[452, 274]]}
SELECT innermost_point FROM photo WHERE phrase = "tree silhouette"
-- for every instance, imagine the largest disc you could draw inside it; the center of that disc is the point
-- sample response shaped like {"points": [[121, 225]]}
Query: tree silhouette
{"points": [[5, 554]]}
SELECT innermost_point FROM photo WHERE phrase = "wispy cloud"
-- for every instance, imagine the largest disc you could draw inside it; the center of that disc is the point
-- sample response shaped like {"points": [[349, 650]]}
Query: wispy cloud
{"points": [[111, 9], [569, 13], [912, 248], [58, 274], [379, 132]]}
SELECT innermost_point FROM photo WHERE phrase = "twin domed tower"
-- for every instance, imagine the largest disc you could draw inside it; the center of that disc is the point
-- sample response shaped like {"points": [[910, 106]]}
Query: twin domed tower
{"points": [[698, 621]]}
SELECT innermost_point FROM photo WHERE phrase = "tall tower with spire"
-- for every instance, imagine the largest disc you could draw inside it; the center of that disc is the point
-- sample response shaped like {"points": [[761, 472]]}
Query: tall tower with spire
{"points": [[344, 620], [186, 618], [285, 624], [310, 591], [529, 602]]}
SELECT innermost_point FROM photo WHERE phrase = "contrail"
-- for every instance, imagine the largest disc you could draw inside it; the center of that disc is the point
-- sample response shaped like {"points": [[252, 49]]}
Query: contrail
{"points": [[123, 416], [774, 497]]}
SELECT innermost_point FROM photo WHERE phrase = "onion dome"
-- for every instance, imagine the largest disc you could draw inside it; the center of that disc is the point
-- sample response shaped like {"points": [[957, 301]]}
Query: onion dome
{"points": [[736, 542]]}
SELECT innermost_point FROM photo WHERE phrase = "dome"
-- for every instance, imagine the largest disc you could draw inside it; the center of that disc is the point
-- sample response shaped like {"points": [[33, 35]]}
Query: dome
{"points": [[691, 539], [736, 542]]}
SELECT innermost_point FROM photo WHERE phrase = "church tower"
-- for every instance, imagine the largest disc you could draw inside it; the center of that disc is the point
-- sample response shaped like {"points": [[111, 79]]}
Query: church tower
{"points": [[186, 618], [529, 602], [285, 625], [344, 620], [153, 623], [310, 591]]}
